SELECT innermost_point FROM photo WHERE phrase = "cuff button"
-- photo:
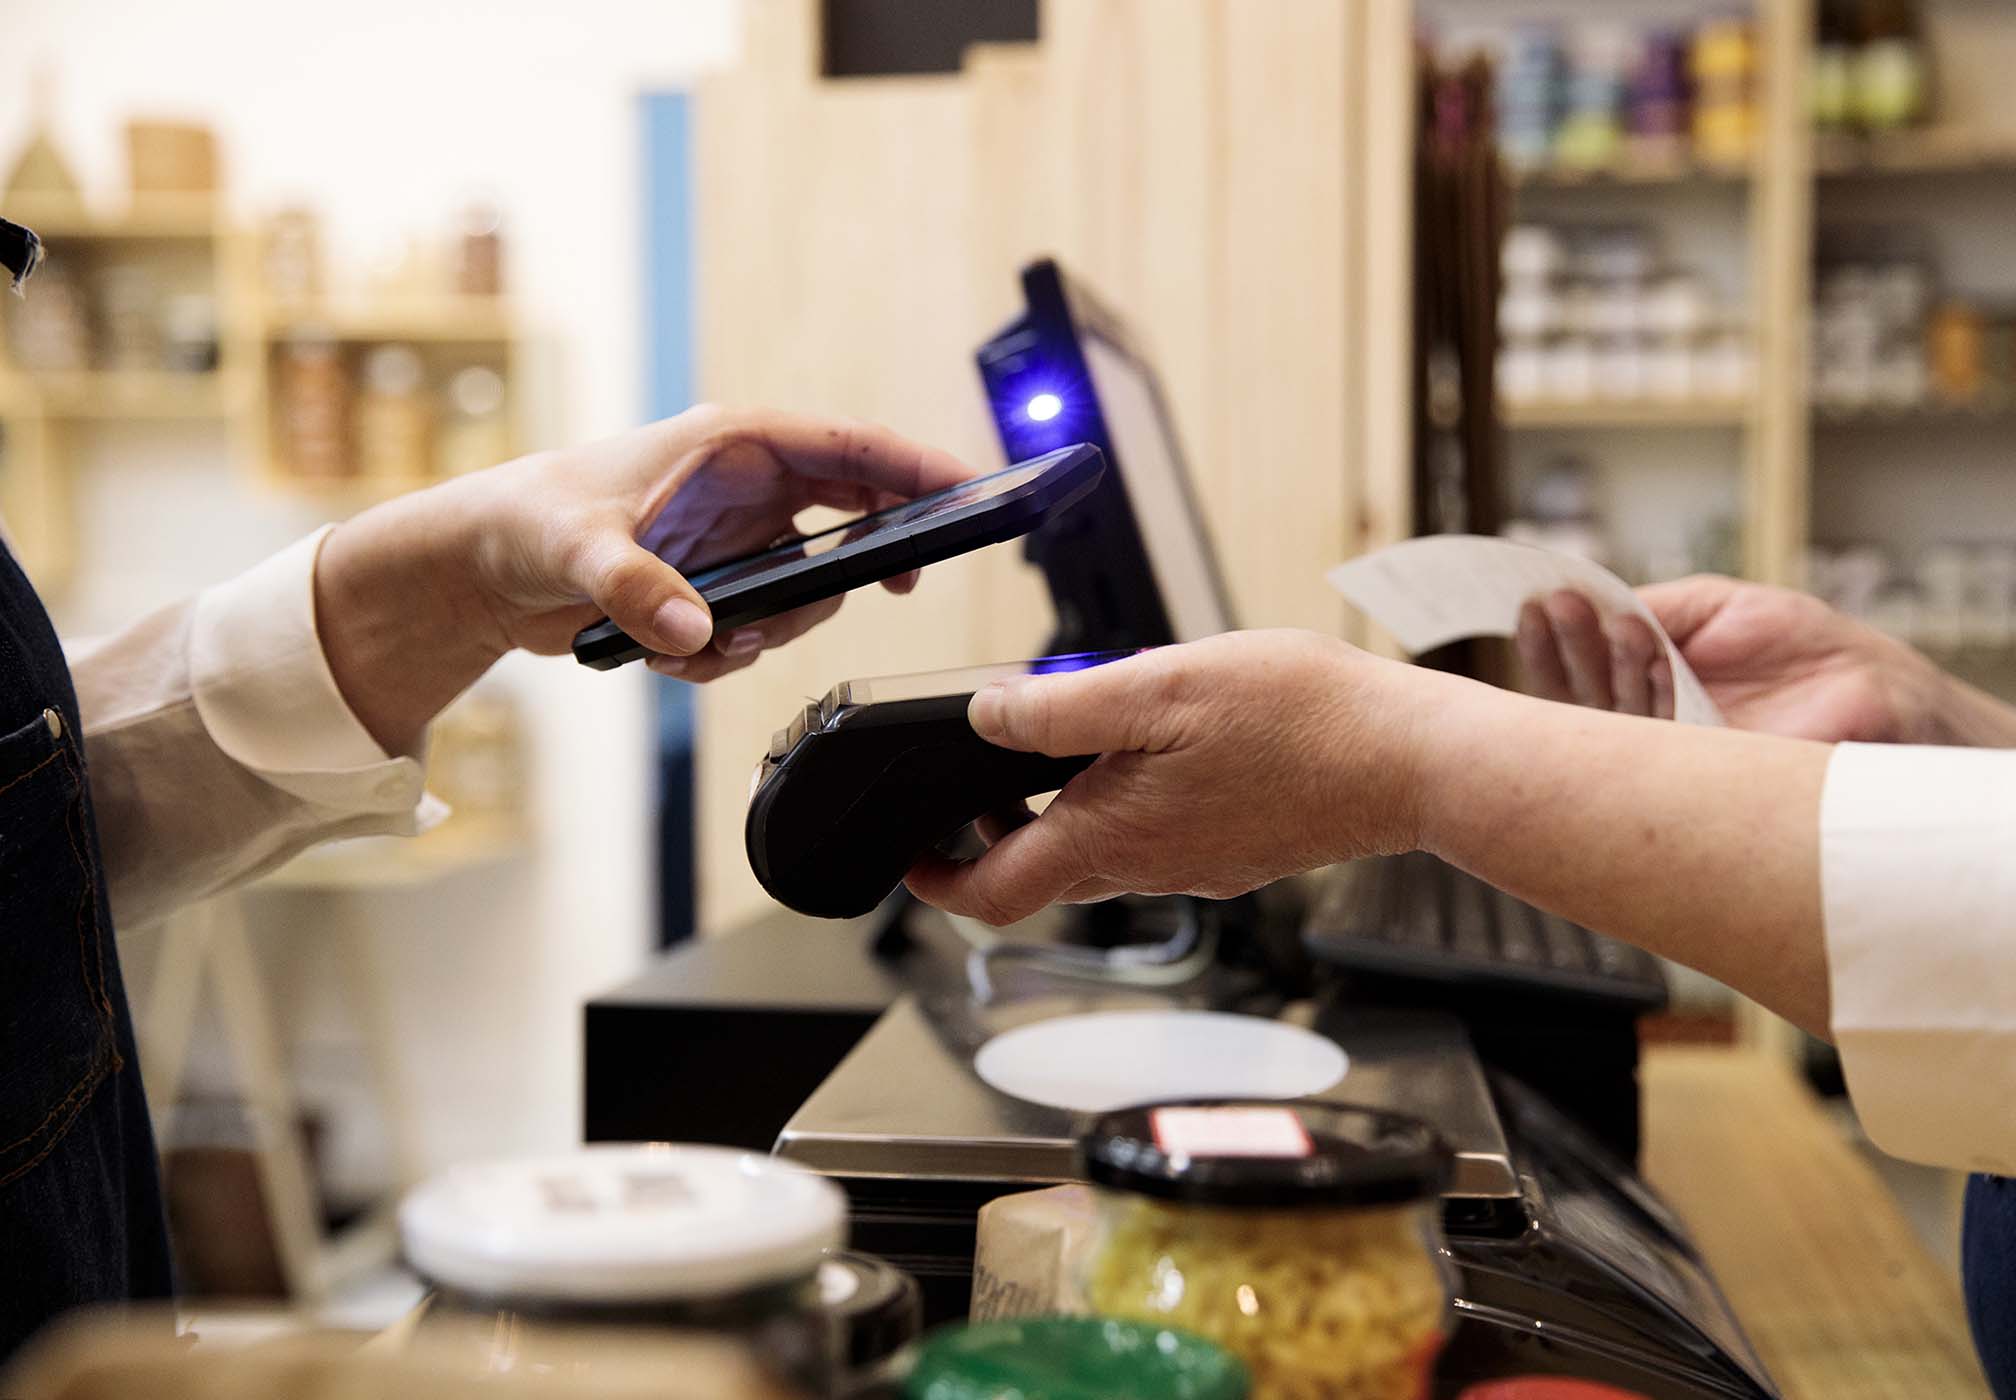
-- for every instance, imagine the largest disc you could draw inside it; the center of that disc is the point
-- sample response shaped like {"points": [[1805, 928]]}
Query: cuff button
{"points": [[54, 720]]}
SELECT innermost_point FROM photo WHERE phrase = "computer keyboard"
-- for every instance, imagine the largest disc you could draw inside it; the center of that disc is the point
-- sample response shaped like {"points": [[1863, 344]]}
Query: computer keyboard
{"points": [[1418, 918]]}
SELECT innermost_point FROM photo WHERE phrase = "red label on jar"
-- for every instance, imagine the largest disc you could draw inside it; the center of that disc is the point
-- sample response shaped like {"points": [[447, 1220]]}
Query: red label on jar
{"points": [[1230, 1132]]}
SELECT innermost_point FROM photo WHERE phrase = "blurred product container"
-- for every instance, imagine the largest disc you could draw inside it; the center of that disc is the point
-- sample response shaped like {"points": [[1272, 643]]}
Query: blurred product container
{"points": [[1595, 313], [293, 257], [395, 416], [479, 260], [474, 433], [313, 408]]}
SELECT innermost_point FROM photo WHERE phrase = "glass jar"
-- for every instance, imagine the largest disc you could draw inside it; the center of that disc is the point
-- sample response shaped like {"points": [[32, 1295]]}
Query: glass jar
{"points": [[1304, 1238], [876, 1311], [671, 1238]]}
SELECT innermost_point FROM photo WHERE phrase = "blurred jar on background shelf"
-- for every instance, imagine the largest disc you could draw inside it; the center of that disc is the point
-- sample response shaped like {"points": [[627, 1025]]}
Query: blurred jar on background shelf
{"points": [[395, 417], [129, 317], [479, 251], [312, 404], [1594, 313], [1723, 62], [474, 433], [189, 333], [476, 756], [1557, 510], [1593, 97], [50, 332], [1872, 70], [1885, 338], [1946, 597], [292, 263]]}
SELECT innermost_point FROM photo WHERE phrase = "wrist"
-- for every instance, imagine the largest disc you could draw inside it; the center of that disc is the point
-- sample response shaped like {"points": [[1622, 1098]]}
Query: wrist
{"points": [[398, 614]]}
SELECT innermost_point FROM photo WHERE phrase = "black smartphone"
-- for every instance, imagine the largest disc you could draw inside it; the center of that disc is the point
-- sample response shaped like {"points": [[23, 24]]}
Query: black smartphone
{"points": [[986, 510]]}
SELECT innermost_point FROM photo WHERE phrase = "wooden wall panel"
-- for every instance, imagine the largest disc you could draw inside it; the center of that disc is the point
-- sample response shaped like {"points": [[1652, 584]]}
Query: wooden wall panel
{"points": [[1193, 160]]}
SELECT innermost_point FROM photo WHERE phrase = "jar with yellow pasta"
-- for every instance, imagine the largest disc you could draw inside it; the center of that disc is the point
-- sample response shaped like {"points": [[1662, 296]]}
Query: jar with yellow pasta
{"points": [[1304, 1238]]}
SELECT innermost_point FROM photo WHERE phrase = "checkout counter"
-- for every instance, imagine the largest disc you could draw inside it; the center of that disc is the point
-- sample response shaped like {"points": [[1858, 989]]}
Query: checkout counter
{"points": [[849, 1046]]}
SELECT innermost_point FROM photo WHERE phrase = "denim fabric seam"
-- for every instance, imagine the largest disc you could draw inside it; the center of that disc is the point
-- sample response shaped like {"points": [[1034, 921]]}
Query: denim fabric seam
{"points": [[105, 1059]]}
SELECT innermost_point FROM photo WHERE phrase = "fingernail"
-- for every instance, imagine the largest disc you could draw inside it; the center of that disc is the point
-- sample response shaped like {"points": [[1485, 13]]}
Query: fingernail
{"points": [[682, 625], [673, 666], [742, 642], [983, 712]]}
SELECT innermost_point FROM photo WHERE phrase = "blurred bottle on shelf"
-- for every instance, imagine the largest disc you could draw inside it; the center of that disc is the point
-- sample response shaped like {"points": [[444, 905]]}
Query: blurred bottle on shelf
{"points": [[1945, 597], [1891, 71], [1530, 77], [1590, 135], [1873, 291], [292, 262], [1594, 313], [129, 318], [479, 258], [50, 332], [1558, 511], [1657, 103], [1723, 63], [313, 408], [476, 758], [1831, 80], [395, 420], [474, 434], [1956, 349], [189, 333]]}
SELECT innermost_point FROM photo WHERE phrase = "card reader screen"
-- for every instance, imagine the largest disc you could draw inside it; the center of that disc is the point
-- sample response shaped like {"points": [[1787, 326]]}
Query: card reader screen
{"points": [[910, 513]]}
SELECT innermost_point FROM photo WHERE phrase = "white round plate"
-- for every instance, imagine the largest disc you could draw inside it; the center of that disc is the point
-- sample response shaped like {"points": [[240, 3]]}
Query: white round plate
{"points": [[1112, 1059]]}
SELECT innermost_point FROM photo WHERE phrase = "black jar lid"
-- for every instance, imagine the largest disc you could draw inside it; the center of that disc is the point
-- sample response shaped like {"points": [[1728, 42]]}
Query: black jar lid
{"points": [[1263, 1153], [876, 1307]]}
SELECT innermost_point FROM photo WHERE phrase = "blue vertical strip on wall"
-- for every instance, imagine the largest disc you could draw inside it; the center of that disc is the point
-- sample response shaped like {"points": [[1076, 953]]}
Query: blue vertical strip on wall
{"points": [[668, 388]]}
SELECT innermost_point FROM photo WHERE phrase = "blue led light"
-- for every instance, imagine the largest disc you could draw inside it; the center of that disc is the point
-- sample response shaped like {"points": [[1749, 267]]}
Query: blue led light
{"points": [[1043, 407]]}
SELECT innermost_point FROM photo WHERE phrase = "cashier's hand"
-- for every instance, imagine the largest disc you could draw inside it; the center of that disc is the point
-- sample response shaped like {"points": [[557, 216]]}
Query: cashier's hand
{"points": [[1773, 660], [1227, 763], [425, 592]]}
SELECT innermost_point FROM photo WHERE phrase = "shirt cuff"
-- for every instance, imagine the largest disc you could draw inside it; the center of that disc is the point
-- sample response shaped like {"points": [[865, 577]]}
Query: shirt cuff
{"points": [[270, 702], [1918, 888]]}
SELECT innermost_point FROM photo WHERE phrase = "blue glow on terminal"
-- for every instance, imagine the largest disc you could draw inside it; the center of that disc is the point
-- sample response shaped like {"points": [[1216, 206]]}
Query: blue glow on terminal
{"points": [[1043, 407]]}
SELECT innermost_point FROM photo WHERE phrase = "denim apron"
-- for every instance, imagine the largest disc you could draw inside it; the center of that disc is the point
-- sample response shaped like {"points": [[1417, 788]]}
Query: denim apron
{"points": [[1988, 1267], [80, 1199]]}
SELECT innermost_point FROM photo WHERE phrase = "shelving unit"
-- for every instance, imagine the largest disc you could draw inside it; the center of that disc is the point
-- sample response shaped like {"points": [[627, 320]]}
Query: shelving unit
{"points": [[44, 412], [1628, 413]]}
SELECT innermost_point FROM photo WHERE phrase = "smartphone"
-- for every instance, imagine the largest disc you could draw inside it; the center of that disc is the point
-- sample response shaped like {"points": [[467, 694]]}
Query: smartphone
{"points": [[986, 510]]}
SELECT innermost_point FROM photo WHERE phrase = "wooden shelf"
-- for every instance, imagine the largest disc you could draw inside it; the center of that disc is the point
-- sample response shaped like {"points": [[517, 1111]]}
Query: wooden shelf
{"points": [[1629, 173], [467, 320], [458, 845], [159, 217], [1628, 413], [1931, 151], [148, 395], [1931, 415]]}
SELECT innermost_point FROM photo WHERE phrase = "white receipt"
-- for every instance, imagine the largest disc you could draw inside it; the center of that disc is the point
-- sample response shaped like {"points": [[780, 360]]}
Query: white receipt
{"points": [[1439, 588]]}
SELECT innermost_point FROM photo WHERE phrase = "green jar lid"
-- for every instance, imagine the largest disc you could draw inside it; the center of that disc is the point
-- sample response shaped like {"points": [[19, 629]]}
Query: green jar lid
{"points": [[1073, 1358]]}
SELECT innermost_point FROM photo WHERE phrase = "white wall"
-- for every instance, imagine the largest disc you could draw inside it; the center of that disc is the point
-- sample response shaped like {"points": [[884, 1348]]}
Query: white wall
{"points": [[386, 116]]}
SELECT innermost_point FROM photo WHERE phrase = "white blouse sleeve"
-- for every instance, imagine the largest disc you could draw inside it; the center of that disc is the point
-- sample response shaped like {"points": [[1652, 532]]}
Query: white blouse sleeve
{"points": [[1918, 886], [218, 744]]}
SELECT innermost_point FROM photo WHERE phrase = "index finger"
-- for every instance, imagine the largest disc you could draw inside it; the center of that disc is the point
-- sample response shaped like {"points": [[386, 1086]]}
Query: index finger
{"points": [[845, 449]]}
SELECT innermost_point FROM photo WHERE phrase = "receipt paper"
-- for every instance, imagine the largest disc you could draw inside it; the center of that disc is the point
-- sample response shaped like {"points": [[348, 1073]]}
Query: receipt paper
{"points": [[1436, 589]]}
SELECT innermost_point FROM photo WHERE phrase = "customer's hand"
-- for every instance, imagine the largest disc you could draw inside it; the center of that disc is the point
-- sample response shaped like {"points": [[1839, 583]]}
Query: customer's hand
{"points": [[1227, 763], [1773, 660], [420, 595]]}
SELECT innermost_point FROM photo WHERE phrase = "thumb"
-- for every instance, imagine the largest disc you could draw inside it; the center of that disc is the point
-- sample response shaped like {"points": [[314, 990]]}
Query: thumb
{"points": [[1115, 707], [642, 594], [1684, 606]]}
